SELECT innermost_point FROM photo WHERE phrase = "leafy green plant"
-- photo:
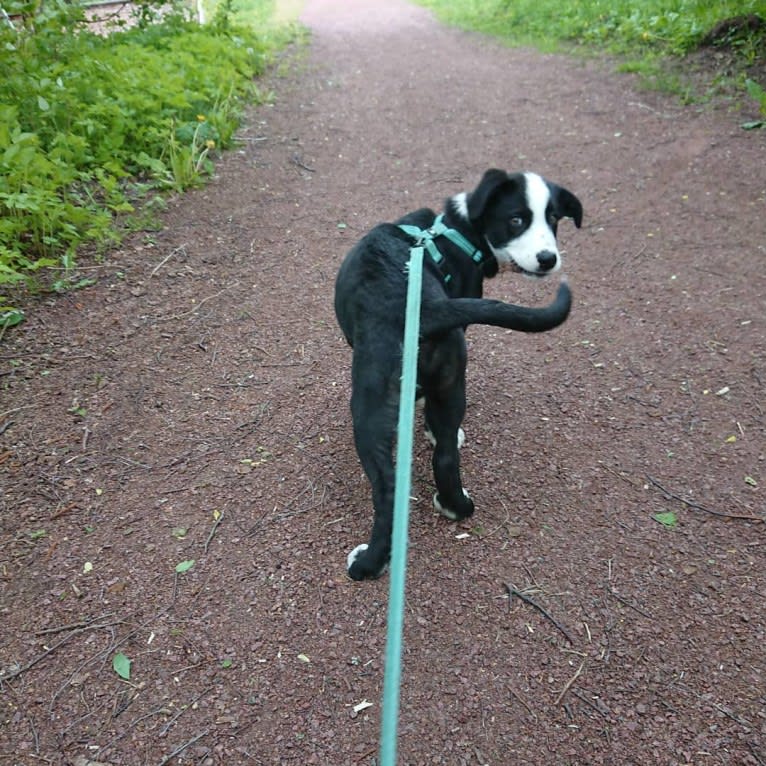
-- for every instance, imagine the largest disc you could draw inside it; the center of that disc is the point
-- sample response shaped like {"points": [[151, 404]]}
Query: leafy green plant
{"points": [[86, 119], [666, 518], [646, 33], [758, 94], [187, 154]]}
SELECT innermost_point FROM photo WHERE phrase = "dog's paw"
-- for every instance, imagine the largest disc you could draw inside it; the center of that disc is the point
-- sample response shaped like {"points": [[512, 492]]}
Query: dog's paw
{"points": [[359, 567], [455, 514], [460, 437], [355, 554]]}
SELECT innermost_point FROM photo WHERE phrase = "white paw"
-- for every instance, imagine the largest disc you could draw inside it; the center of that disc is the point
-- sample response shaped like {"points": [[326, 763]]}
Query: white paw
{"points": [[355, 554], [460, 437], [446, 511]]}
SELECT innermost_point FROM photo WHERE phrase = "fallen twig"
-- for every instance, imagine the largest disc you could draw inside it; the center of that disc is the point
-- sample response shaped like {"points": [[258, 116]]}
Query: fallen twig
{"points": [[601, 709], [40, 657], [569, 683], [513, 591], [114, 740], [630, 605], [296, 160], [216, 524], [523, 702], [197, 306], [72, 626], [166, 728], [179, 249], [698, 507], [720, 708], [170, 756], [757, 757]]}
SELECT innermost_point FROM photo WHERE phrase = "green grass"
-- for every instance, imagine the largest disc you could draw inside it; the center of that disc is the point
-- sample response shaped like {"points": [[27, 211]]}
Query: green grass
{"points": [[92, 128], [652, 37]]}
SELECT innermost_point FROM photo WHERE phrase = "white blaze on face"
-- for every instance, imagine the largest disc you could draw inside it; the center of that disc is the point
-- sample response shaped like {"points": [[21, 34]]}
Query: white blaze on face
{"points": [[538, 238]]}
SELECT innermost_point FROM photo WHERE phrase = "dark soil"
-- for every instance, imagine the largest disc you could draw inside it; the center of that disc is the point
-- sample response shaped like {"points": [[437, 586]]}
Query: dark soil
{"points": [[194, 405]]}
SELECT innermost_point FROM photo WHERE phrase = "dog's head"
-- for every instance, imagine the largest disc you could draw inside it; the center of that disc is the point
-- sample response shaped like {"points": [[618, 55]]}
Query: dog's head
{"points": [[518, 214]]}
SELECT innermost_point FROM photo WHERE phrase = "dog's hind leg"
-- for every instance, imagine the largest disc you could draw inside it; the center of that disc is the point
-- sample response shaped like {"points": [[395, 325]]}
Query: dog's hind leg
{"points": [[373, 408]]}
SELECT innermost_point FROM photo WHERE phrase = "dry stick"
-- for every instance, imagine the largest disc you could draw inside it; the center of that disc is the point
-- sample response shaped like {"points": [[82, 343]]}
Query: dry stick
{"points": [[513, 591], [40, 657], [698, 507], [627, 603], [296, 160], [73, 625], [114, 740], [198, 306], [569, 683], [757, 757], [170, 756], [169, 725], [580, 696], [720, 708], [523, 702], [180, 248], [216, 524]]}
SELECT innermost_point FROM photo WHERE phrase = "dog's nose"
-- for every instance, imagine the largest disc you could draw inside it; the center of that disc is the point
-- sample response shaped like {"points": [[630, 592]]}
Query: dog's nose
{"points": [[546, 259]]}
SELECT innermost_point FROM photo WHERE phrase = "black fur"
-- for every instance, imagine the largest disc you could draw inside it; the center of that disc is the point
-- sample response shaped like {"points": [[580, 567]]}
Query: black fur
{"points": [[370, 298]]}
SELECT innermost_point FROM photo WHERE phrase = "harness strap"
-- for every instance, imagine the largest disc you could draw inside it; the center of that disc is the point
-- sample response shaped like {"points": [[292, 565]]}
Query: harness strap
{"points": [[425, 238]]}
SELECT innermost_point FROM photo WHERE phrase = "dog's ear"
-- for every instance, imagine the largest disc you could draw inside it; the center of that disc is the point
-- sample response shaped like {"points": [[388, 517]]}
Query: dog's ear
{"points": [[566, 204], [489, 185]]}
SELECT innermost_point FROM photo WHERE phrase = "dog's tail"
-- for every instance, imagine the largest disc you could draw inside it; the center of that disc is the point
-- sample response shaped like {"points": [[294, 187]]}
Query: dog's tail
{"points": [[439, 316]]}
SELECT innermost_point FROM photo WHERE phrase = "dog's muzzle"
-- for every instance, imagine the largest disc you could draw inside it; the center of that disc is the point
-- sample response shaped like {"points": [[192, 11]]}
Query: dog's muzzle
{"points": [[547, 260]]}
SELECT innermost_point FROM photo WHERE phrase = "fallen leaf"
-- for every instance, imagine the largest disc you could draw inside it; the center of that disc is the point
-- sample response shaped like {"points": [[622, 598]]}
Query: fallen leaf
{"points": [[121, 665], [185, 566], [751, 481], [363, 705], [87, 567], [303, 658]]}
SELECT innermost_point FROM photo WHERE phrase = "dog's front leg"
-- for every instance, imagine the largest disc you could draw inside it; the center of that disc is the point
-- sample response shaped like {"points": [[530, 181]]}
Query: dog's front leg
{"points": [[451, 499], [444, 412]]}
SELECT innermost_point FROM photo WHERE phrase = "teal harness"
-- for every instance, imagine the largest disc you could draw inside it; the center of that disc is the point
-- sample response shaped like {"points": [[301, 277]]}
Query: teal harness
{"points": [[424, 238]]}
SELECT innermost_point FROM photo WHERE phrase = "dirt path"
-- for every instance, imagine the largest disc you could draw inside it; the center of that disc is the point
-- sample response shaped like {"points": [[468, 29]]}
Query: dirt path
{"points": [[193, 405]]}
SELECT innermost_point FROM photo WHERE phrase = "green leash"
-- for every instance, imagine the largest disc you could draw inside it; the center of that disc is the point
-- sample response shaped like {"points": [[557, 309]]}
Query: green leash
{"points": [[393, 670]]}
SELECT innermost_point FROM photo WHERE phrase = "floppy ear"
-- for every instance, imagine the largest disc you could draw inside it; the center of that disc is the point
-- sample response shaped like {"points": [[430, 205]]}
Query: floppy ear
{"points": [[479, 198], [567, 205]]}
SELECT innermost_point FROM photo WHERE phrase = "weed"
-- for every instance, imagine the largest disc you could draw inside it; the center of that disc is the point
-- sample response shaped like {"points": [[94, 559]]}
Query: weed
{"points": [[89, 124], [648, 34]]}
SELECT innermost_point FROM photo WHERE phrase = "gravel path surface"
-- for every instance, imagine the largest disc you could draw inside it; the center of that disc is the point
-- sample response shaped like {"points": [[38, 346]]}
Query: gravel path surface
{"points": [[193, 405]]}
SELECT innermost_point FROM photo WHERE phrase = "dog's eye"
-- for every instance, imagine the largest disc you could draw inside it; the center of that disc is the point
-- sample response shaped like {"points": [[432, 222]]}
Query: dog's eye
{"points": [[517, 222], [553, 219]]}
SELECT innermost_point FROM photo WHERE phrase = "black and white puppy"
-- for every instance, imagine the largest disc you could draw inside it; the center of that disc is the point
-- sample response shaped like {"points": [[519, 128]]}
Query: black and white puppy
{"points": [[509, 220]]}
